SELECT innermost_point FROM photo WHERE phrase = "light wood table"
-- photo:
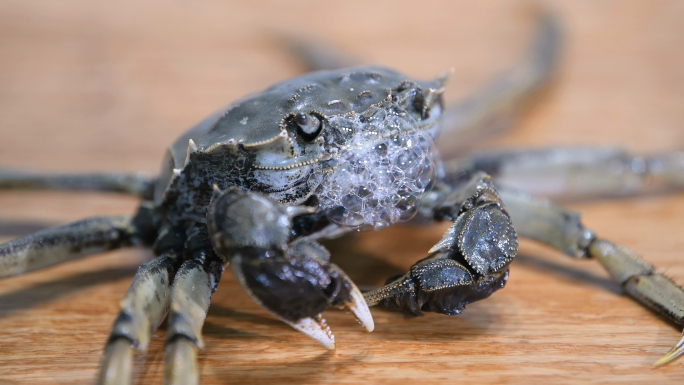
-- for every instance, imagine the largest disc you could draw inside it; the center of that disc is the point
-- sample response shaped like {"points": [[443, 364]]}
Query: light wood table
{"points": [[109, 84]]}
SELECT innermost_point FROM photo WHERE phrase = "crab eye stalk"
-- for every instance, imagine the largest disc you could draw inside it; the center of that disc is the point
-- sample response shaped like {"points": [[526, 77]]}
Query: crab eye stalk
{"points": [[418, 104], [428, 104], [308, 126]]}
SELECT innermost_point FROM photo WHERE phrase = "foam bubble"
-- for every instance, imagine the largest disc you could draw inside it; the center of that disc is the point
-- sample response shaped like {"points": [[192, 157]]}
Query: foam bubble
{"points": [[382, 174]]}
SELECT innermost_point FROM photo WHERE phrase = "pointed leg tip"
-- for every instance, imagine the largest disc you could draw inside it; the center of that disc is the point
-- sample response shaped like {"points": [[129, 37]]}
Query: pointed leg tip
{"points": [[117, 363], [181, 363], [675, 352], [666, 359]]}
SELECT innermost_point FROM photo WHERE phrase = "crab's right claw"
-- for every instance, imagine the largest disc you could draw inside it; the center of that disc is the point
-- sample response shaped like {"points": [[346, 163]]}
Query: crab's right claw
{"points": [[293, 281], [645, 284]]}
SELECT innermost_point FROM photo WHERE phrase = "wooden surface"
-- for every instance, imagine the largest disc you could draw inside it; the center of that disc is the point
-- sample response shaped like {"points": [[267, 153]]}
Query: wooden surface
{"points": [[107, 85]]}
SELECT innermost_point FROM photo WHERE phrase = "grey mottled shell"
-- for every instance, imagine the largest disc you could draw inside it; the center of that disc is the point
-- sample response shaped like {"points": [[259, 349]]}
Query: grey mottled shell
{"points": [[256, 118]]}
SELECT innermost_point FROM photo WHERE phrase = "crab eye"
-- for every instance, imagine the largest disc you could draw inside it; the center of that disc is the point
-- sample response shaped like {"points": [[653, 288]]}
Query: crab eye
{"points": [[308, 126], [418, 103], [427, 105]]}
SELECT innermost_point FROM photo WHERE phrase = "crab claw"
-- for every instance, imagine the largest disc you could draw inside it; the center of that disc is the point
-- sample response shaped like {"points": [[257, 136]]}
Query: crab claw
{"points": [[298, 288], [357, 305], [317, 329], [675, 352], [294, 281]]}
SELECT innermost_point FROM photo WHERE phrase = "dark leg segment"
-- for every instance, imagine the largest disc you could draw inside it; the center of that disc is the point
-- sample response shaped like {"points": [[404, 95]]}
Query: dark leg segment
{"points": [[64, 243], [468, 264], [117, 182], [142, 310], [560, 228]]}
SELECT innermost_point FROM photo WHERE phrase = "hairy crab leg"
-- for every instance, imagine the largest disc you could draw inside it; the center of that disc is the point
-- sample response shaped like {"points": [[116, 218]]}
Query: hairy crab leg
{"points": [[491, 108], [138, 184], [316, 55], [488, 110], [561, 229], [64, 243], [142, 310], [573, 173], [194, 284]]}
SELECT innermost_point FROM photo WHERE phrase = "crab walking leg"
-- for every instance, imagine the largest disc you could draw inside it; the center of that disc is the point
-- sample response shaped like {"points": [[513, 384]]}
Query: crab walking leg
{"points": [[482, 114], [316, 56], [64, 243], [490, 109], [192, 289], [138, 184], [142, 310], [560, 228], [577, 172]]}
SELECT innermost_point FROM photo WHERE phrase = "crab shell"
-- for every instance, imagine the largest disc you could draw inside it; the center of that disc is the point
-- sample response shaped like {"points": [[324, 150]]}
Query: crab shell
{"points": [[234, 146]]}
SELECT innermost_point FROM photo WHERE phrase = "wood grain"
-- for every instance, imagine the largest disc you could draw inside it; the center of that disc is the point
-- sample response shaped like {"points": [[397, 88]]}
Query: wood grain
{"points": [[108, 85]]}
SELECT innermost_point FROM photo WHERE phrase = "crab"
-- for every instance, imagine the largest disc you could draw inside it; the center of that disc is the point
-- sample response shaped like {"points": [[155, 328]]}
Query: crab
{"points": [[257, 185]]}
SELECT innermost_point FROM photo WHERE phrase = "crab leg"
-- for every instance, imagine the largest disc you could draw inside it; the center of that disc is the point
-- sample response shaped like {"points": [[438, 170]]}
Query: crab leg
{"points": [[316, 56], [488, 110], [561, 229], [195, 283], [133, 184], [491, 108], [142, 310], [577, 172], [64, 243]]}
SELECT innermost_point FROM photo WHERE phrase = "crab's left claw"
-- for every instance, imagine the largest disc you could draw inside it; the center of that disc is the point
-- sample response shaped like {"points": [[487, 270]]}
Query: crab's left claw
{"points": [[294, 281]]}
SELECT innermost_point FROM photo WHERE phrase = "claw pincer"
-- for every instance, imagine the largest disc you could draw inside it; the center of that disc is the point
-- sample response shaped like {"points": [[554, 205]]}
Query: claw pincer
{"points": [[468, 264], [293, 281]]}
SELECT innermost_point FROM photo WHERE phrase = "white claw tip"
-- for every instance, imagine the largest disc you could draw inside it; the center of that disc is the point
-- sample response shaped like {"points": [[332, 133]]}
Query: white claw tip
{"points": [[359, 308], [316, 329]]}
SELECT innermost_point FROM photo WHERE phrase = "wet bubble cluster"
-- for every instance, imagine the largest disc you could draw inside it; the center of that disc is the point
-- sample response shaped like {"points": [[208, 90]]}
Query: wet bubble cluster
{"points": [[382, 173]]}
